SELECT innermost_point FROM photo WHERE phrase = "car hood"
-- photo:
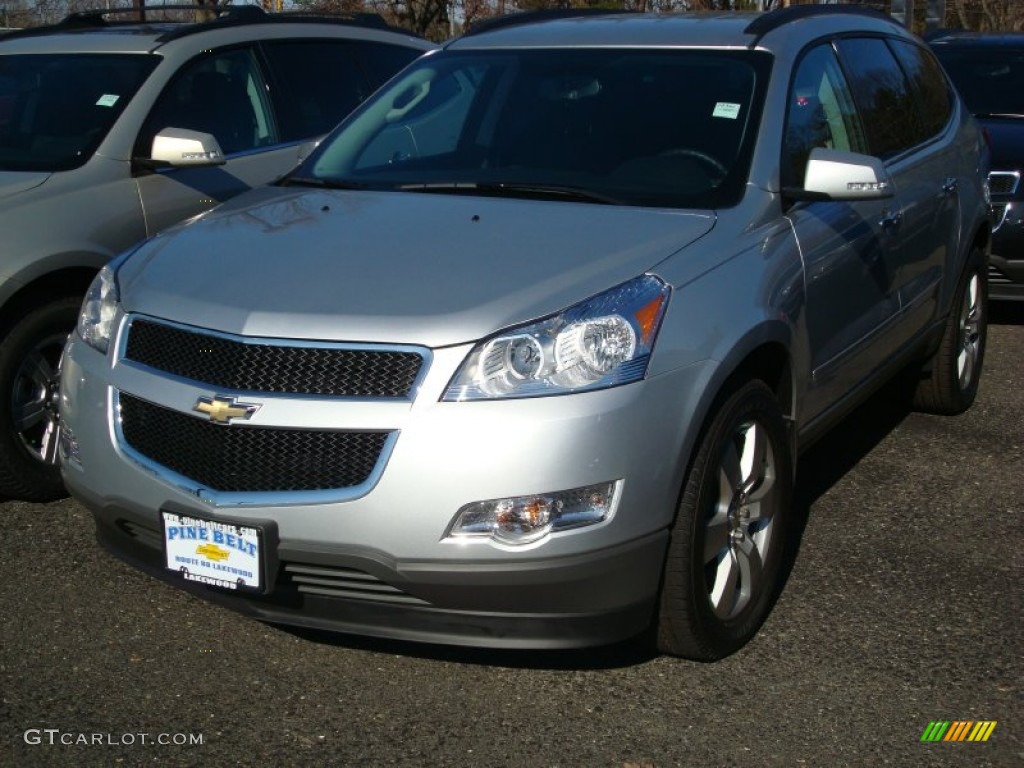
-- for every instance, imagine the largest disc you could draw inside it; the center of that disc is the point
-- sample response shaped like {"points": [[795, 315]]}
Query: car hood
{"points": [[1006, 136], [393, 267], [13, 182]]}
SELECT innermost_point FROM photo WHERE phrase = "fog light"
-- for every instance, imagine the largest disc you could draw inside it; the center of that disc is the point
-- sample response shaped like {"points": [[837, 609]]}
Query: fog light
{"points": [[525, 519]]}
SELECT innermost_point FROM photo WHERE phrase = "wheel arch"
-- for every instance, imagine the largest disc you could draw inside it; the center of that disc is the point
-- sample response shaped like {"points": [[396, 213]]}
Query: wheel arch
{"points": [[764, 353], [57, 284]]}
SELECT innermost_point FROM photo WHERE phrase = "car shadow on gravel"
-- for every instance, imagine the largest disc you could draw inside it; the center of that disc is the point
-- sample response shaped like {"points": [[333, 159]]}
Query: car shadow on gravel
{"points": [[820, 468]]}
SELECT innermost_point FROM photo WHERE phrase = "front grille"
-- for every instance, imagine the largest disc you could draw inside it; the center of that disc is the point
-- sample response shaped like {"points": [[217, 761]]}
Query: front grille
{"points": [[230, 363], [995, 277], [1003, 182], [344, 583], [246, 458]]}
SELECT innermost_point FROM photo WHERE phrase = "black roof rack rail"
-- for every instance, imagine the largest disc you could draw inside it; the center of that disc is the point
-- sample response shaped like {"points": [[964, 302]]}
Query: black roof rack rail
{"points": [[533, 17], [222, 16], [359, 19], [766, 22], [96, 19]]}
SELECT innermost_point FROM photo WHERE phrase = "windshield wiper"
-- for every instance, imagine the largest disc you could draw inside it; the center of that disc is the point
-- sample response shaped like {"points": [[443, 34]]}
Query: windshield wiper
{"points": [[514, 189]]}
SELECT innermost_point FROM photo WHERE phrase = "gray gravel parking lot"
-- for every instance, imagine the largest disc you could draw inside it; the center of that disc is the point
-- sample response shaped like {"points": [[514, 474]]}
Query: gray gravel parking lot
{"points": [[903, 607]]}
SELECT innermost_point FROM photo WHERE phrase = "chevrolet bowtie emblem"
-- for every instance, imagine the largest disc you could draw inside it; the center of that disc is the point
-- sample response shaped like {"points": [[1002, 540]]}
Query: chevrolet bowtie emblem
{"points": [[222, 410]]}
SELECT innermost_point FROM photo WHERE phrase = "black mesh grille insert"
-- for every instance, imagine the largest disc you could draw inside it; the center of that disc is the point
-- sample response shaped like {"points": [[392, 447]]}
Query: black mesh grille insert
{"points": [[232, 364], [244, 458], [1003, 183]]}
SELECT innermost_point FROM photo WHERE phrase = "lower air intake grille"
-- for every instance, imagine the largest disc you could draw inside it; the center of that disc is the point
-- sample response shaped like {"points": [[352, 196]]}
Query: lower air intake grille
{"points": [[344, 583], [245, 458]]}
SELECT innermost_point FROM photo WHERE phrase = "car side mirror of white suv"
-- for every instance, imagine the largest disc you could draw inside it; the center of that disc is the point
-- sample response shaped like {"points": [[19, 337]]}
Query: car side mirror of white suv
{"points": [[179, 147], [833, 174]]}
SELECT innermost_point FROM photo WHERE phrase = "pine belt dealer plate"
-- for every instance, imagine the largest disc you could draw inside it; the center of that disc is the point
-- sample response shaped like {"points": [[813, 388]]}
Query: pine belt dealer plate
{"points": [[219, 554]]}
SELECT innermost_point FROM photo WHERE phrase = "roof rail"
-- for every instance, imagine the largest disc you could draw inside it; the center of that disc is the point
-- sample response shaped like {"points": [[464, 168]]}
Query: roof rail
{"points": [[534, 17], [223, 15], [97, 18], [766, 22]]}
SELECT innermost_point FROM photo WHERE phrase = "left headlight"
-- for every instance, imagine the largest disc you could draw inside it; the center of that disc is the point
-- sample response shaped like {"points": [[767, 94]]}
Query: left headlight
{"points": [[602, 342], [99, 310]]}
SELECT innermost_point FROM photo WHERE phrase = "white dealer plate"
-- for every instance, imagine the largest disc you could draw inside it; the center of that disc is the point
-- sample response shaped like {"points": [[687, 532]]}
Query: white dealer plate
{"points": [[210, 552]]}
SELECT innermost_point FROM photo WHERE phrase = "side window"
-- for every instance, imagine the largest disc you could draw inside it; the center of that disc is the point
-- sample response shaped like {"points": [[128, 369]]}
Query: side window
{"points": [[820, 113], [883, 97], [318, 83], [928, 84], [222, 93]]}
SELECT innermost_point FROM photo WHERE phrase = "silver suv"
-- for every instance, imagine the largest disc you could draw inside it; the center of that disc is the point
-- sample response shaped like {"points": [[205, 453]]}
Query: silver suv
{"points": [[111, 131], [524, 353]]}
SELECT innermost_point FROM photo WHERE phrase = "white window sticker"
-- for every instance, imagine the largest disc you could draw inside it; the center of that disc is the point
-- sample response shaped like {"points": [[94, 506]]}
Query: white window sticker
{"points": [[107, 100], [726, 109]]}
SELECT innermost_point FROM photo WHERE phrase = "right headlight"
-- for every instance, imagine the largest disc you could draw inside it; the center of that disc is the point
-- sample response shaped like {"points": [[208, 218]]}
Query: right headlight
{"points": [[602, 342], [99, 309]]}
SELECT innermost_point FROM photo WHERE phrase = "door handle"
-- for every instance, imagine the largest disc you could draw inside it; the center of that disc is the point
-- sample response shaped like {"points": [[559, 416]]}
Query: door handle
{"points": [[949, 185], [890, 219]]}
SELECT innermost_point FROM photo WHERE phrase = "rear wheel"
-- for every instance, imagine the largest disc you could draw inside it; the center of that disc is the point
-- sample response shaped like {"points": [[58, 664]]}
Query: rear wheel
{"points": [[29, 394], [951, 381], [725, 554]]}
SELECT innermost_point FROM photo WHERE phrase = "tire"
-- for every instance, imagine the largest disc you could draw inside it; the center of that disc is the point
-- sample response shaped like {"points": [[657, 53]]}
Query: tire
{"points": [[950, 380], [29, 420], [725, 555]]}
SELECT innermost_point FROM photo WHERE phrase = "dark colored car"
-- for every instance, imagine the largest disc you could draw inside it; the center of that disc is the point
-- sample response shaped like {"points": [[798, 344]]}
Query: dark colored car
{"points": [[988, 70]]}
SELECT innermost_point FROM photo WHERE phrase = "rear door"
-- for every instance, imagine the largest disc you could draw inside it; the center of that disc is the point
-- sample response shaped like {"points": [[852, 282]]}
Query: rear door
{"points": [[905, 104]]}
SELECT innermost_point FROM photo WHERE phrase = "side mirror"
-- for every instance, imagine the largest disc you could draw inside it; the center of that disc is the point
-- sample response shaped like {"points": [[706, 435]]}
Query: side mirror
{"points": [[836, 175], [179, 147]]}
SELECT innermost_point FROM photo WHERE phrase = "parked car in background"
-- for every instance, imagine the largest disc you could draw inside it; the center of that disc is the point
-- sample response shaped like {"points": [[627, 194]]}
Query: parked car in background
{"points": [[988, 70], [110, 132], [524, 353]]}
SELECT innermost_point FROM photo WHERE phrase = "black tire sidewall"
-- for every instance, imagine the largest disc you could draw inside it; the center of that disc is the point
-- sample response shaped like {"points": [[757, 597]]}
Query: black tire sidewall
{"points": [[22, 475], [711, 637], [964, 397]]}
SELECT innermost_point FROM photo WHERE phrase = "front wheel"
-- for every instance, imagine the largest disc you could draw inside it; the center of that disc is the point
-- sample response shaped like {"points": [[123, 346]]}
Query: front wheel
{"points": [[725, 554], [29, 418]]}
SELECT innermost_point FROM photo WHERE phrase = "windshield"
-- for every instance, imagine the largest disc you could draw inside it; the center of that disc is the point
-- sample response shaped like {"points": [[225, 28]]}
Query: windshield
{"points": [[56, 109], [990, 79], [650, 127]]}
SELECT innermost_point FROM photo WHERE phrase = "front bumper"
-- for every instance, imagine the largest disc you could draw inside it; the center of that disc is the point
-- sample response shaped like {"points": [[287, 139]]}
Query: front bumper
{"points": [[380, 564]]}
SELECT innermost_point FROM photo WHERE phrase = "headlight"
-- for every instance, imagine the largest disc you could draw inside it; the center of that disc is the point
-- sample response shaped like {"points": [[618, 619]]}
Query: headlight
{"points": [[602, 342], [99, 310]]}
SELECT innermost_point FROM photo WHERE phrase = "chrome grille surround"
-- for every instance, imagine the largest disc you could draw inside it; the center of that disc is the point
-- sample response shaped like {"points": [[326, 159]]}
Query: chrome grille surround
{"points": [[1004, 182]]}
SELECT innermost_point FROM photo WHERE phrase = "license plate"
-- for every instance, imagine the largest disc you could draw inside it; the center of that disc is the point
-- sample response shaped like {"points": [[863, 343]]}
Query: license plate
{"points": [[219, 554]]}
